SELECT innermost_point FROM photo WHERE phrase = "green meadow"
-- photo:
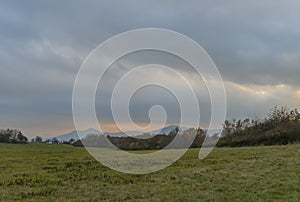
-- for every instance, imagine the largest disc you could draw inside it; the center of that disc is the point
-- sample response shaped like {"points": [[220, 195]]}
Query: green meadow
{"points": [[41, 172]]}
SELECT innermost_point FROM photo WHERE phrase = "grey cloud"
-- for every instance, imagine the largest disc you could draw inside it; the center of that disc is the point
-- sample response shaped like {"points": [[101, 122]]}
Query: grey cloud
{"points": [[42, 45]]}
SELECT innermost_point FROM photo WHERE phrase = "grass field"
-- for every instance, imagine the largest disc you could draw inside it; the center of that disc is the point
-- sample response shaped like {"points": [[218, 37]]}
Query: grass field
{"points": [[40, 172]]}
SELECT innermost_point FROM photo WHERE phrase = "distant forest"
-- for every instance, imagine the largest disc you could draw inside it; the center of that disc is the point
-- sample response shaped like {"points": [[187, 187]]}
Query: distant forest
{"points": [[281, 126], [147, 141]]}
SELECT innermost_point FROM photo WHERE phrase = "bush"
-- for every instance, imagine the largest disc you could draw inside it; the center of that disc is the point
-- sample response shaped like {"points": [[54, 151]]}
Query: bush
{"points": [[12, 136], [280, 127]]}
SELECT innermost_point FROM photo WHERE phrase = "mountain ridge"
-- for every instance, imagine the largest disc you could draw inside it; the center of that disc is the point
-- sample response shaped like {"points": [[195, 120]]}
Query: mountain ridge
{"points": [[76, 135]]}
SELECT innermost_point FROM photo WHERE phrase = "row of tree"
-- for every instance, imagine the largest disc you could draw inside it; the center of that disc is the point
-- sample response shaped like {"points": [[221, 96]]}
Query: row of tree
{"points": [[281, 126], [148, 142], [16, 136], [53, 140], [12, 136]]}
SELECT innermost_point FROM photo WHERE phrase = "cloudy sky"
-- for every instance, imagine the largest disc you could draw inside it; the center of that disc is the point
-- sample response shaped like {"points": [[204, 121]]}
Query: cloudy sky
{"points": [[254, 44]]}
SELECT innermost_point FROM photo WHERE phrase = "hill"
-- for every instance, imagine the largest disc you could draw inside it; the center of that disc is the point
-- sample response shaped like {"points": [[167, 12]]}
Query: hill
{"points": [[77, 134]]}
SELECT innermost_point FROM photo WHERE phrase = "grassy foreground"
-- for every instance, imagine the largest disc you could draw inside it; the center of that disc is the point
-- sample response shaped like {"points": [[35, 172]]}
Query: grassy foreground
{"points": [[40, 172]]}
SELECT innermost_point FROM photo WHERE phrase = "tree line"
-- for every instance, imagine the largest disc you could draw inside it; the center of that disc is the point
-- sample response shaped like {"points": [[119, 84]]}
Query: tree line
{"points": [[147, 141], [12, 136], [280, 127]]}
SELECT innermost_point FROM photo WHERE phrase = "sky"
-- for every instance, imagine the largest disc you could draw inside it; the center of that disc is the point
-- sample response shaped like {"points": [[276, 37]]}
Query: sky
{"points": [[255, 45]]}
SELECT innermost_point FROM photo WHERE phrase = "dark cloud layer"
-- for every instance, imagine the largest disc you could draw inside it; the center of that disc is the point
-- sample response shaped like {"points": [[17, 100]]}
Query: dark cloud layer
{"points": [[255, 44]]}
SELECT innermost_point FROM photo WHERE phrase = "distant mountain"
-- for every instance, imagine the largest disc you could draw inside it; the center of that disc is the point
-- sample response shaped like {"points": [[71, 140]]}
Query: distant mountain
{"points": [[76, 135], [213, 132], [167, 130], [121, 134], [82, 134]]}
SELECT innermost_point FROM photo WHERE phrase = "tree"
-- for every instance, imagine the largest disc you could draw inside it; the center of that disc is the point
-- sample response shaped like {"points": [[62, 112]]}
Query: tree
{"points": [[38, 139], [47, 141], [4, 138], [12, 136], [55, 140], [21, 137], [71, 141]]}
